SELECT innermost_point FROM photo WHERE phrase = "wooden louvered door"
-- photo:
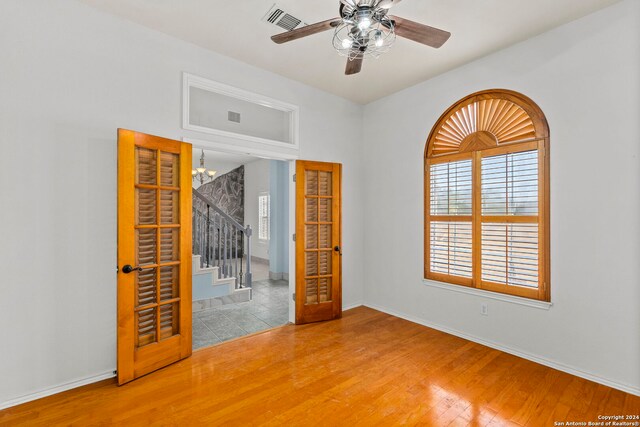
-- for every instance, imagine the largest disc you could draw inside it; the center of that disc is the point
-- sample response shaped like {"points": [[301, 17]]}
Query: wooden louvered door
{"points": [[318, 241], [154, 253]]}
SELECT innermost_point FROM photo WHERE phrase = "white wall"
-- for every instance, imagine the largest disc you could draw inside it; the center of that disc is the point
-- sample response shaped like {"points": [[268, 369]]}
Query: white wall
{"points": [[69, 77], [210, 109], [585, 77], [256, 181], [280, 239]]}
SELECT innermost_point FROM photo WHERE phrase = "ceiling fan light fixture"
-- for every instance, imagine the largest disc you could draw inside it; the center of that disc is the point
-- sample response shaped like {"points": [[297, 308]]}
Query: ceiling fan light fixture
{"points": [[364, 18], [364, 23], [379, 40], [356, 41]]}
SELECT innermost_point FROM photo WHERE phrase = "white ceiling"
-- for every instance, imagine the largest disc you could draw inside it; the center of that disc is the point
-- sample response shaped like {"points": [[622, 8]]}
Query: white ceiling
{"points": [[234, 28]]}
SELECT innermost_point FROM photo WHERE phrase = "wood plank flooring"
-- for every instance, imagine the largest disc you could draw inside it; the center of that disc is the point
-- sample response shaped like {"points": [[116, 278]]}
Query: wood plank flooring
{"points": [[368, 368]]}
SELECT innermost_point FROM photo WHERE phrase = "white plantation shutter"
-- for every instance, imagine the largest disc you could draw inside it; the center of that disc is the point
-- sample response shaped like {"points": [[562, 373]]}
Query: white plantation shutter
{"points": [[451, 188], [510, 254], [451, 248], [450, 241], [507, 222], [510, 188], [510, 184]]}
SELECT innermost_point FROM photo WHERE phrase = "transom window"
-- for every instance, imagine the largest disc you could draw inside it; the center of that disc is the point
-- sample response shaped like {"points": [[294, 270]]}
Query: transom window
{"points": [[487, 196]]}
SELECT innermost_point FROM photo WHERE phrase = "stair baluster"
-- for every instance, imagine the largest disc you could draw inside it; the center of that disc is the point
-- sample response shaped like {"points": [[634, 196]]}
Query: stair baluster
{"points": [[217, 237]]}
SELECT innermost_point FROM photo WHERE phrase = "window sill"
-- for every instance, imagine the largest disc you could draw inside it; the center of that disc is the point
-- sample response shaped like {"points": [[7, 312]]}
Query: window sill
{"points": [[542, 305]]}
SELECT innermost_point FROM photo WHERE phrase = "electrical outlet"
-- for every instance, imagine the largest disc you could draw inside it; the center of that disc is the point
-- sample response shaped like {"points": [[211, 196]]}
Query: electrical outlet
{"points": [[484, 309]]}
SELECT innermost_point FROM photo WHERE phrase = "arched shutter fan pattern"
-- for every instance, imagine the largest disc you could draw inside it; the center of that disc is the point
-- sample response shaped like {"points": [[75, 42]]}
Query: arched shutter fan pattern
{"points": [[485, 120]]}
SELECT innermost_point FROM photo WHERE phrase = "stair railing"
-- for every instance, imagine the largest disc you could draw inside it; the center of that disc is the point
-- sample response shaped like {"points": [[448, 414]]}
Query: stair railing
{"points": [[219, 240]]}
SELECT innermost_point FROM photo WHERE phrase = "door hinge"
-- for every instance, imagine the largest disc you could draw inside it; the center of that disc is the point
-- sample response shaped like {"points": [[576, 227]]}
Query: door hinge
{"points": [[294, 177], [294, 237], [293, 296]]}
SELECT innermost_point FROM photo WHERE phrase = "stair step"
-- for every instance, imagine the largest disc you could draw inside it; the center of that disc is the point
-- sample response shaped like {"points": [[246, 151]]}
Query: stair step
{"points": [[239, 295], [215, 272]]}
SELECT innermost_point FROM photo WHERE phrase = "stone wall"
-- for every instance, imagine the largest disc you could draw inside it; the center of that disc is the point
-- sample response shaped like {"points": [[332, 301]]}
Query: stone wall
{"points": [[227, 193]]}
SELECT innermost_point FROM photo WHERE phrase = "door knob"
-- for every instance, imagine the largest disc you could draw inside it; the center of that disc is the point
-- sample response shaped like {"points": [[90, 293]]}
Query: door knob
{"points": [[337, 249], [128, 269]]}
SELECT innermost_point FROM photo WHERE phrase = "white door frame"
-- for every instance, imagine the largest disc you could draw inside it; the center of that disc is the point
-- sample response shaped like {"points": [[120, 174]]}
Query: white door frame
{"points": [[272, 153]]}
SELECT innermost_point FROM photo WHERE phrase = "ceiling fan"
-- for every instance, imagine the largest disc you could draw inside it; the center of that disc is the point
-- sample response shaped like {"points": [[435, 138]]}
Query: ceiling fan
{"points": [[365, 29]]}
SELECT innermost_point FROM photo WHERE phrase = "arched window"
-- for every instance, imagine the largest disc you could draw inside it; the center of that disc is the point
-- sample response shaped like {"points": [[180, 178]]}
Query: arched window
{"points": [[487, 196]]}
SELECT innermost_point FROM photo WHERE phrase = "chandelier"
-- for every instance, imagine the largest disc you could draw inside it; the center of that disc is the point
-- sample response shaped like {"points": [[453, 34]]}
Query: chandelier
{"points": [[365, 31], [202, 174]]}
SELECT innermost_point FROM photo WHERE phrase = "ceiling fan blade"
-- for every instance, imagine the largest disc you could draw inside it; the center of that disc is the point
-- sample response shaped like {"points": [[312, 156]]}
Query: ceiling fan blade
{"points": [[318, 27], [354, 66], [419, 32], [387, 4]]}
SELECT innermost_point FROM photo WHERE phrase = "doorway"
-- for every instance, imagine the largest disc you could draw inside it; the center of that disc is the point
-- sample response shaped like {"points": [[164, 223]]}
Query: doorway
{"points": [[175, 226], [241, 215]]}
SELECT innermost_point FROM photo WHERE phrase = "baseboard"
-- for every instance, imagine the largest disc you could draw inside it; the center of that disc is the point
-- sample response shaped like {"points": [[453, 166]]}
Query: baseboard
{"points": [[275, 276], [56, 389], [353, 305], [278, 276], [537, 359]]}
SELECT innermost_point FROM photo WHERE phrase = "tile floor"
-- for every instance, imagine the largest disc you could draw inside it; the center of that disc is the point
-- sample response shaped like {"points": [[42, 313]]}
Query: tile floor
{"points": [[268, 308]]}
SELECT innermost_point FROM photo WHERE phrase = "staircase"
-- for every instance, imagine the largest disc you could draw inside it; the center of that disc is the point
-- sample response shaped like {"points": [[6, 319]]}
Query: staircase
{"points": [[211, 290], [221, 269]]}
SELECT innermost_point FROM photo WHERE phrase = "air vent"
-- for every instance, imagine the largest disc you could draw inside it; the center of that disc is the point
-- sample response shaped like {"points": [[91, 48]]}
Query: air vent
{"points": [[234, 117], [277, 16], [288, 22]]}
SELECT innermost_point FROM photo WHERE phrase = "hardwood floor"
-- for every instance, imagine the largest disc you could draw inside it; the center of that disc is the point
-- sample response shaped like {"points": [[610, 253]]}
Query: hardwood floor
{"points": [[367, 368]]}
